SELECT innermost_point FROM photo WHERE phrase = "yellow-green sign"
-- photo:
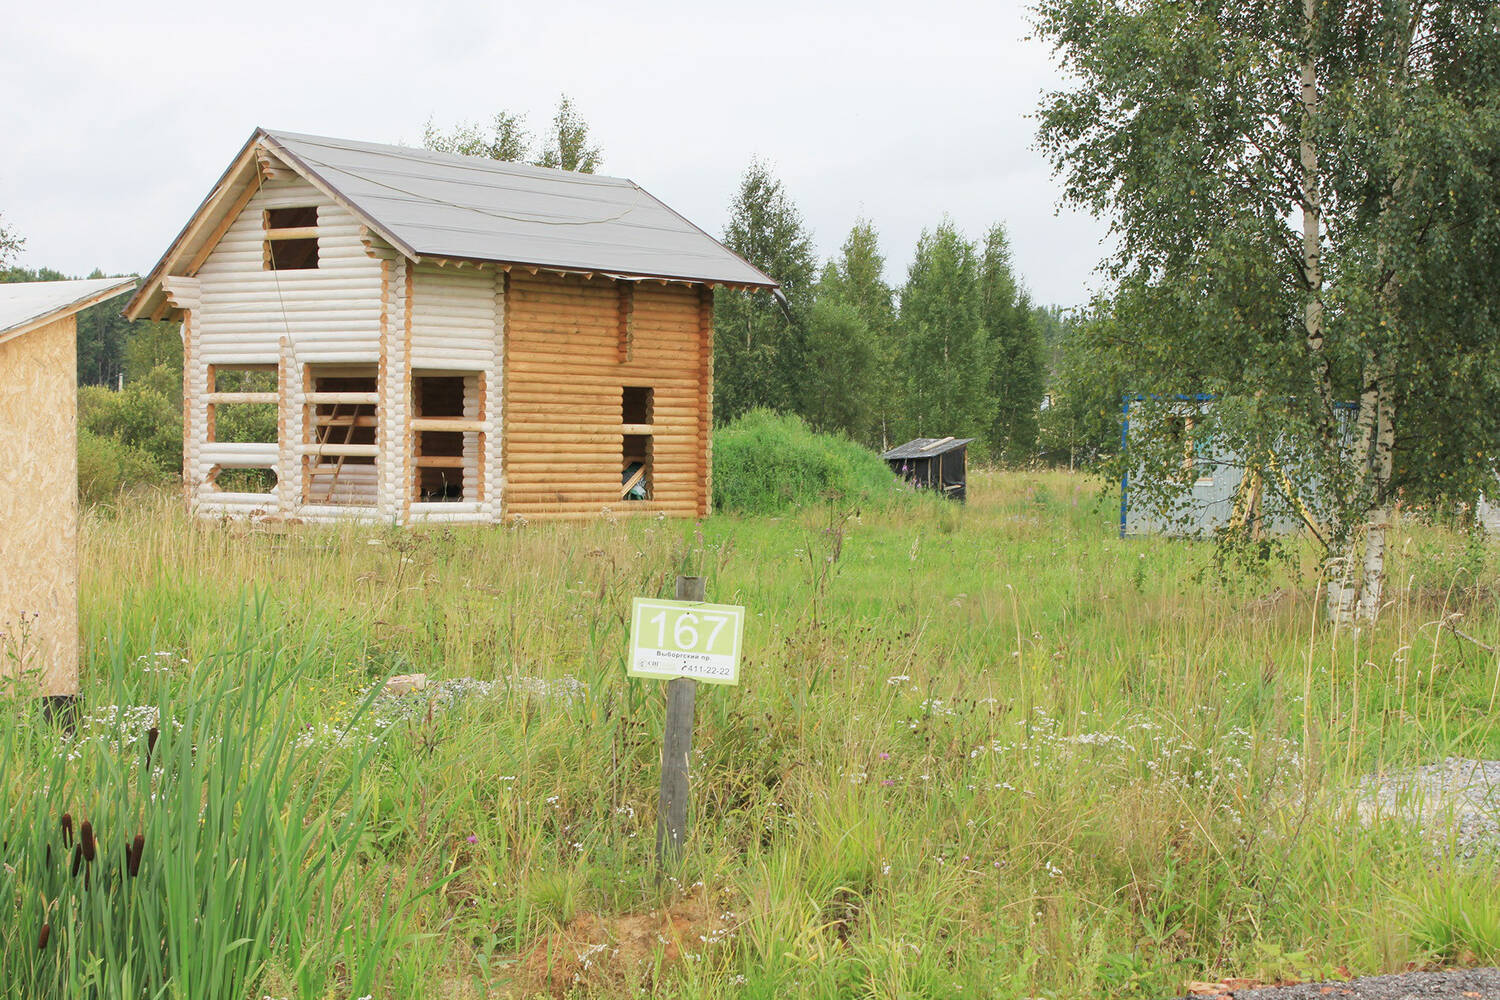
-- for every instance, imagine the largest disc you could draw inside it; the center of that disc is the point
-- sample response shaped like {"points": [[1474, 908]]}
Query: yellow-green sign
{"points": [[671, 639]]}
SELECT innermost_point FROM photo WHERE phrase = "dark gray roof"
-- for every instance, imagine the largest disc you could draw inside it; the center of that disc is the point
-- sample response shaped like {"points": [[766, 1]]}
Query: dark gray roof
{"points": [[474, 208], [926, 447]]}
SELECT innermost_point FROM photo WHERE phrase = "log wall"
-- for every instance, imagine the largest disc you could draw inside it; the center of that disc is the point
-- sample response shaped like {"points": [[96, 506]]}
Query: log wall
{"points": [[545, 358], [39, 507], [571, 345]]}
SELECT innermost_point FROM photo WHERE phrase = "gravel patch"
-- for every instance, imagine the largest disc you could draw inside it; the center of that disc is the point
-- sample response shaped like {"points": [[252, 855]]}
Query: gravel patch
{"points": [[1458, 797], [1451, 984]]}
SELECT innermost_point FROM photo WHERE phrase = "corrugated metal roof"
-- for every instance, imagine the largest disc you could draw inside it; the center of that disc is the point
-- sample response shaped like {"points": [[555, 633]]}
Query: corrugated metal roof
{"points": [[474, 208], [28, 304], [926, 447]]}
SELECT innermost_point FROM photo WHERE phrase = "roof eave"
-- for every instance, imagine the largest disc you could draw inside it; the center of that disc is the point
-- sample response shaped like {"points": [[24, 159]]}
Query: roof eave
{"points": [[150, 294], [67, 309]]}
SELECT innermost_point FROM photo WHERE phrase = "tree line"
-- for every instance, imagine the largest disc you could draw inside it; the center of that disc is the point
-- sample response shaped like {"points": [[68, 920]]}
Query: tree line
{"points": [[956, 349]]}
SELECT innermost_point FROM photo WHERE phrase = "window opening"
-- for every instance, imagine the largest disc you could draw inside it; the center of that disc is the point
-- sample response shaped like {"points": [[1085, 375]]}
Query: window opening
{"points": [[439, 428], [291, 242], [342, 418], [242, 408], [636, 415]]}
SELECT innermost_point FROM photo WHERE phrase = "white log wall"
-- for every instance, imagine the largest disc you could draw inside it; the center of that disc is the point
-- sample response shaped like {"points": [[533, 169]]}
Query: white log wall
{"points": [[367, 305]]}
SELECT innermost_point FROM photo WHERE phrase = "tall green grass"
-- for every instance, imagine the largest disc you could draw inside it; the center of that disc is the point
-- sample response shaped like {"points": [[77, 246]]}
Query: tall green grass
{"points": [[989, 749], [767, 463], [183, 838]]}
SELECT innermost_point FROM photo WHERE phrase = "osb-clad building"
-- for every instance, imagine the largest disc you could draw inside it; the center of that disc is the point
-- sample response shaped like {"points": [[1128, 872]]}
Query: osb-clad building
{"points": [[39, 479], [400, 335]]}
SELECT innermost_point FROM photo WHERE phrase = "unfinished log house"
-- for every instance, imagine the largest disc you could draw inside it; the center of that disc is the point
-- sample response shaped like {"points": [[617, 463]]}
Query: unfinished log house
{"points": [[394, 334], [39, 480]]}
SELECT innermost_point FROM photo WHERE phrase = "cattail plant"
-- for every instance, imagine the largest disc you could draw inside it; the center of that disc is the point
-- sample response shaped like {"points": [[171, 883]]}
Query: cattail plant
{"points": [[257, 833], [86, 841]]}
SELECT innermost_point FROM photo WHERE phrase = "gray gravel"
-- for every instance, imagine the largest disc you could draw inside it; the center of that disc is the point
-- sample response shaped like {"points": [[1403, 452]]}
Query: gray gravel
{"points": [[1458, 796], [1452, 984]]}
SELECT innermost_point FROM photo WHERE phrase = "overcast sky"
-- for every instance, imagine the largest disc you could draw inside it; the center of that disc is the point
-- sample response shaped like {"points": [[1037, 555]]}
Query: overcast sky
{"points": [[116, 119]]}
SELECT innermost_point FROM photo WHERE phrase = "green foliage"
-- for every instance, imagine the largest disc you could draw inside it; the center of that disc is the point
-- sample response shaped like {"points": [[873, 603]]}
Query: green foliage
{"points": [[140, 417], [565, 147], [186, 839], [506, 138], [10, 245], [1017, 359], [758, 350], [106, 467], [856, 278], [1300, 247], [840, 387], [1082, 424], [945, 361], [766, 463]]}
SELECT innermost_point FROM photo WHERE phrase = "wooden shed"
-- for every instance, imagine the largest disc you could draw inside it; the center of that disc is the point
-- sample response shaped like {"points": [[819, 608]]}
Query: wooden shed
{"points": [[399, 335], [39, 479], [933, 464]]}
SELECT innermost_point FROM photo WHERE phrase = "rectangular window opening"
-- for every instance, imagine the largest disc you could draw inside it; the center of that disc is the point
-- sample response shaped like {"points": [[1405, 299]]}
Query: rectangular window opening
{"points": [[439, 454], [342, 419], [243, 404], [635, 404], [635, 473], [291, 242]]}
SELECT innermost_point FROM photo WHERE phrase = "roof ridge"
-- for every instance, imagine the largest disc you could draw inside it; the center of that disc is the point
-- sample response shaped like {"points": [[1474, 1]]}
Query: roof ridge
{"points": [[465, 160]]}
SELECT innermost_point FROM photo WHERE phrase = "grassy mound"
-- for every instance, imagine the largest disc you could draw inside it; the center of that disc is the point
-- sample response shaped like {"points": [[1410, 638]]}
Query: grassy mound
{"points": [[766, 463]]}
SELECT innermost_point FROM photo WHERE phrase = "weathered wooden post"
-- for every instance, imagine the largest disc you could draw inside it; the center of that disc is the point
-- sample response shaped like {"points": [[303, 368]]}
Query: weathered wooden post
{"points": [[676, 749]]}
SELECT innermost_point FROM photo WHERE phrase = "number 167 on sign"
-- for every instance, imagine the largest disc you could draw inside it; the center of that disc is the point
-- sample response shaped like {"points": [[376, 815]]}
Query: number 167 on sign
{"points": [[671, 639]]}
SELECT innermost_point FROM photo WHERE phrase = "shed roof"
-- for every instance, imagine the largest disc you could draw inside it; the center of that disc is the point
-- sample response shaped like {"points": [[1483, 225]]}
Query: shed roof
{"points": [[926, 447], [445, 205], [26, 305]]}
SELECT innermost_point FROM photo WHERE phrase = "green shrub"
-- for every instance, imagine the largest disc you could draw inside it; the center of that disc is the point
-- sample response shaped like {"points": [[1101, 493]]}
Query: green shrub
{"points": [[107, 467], [765, 463], [140, 416]]}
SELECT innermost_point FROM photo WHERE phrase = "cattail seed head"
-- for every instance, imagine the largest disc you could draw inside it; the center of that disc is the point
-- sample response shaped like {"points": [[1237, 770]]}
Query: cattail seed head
{"points": [[41, 939], [67, 829], [86, 841], [151, 736], [137, 848], [77, 859]]}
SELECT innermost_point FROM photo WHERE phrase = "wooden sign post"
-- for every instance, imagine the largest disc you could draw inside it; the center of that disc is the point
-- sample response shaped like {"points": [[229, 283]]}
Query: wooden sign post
{"points": [[676, 749], [682, 642]]}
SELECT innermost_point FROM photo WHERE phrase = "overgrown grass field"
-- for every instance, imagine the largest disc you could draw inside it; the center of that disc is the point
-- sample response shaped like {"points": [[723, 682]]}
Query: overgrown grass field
{"points": [[990, 750]]}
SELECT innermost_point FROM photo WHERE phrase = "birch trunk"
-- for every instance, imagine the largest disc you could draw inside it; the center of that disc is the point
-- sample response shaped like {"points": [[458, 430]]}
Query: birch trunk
{"points": [[1372, 579], [1337, 568]]}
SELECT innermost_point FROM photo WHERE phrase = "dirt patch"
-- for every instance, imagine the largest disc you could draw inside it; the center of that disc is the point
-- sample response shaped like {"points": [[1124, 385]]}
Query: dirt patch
{"points": [[596, 953]]}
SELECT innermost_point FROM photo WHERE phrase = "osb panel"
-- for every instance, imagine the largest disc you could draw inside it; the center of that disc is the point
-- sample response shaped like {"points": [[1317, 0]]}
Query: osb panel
{"points": [[563, 379], [39, 507]]}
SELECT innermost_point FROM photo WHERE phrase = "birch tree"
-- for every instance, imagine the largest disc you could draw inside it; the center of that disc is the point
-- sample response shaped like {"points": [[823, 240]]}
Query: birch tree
{"points": [[758, 347], [10, 245], [1306, 195]]}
